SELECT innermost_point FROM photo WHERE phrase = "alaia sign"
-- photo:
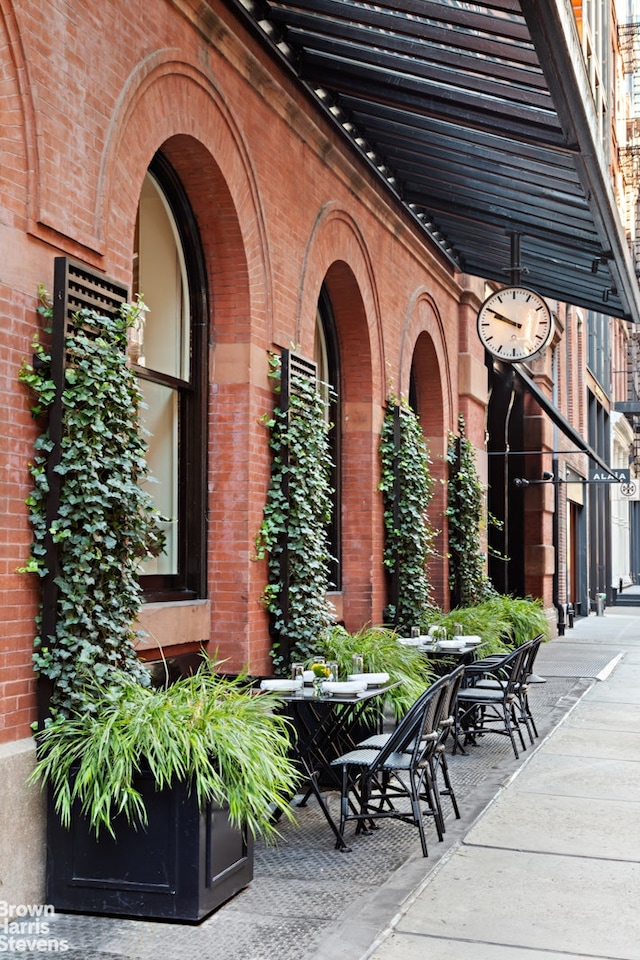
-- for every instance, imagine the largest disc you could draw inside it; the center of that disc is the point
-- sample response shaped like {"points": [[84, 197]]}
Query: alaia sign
{"points": [[617, 475]]}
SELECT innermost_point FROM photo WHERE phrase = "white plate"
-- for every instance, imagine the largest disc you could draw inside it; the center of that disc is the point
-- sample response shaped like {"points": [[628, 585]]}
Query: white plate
{"points": [[370, 679], [348, 688], [410, 641], [284, 686], [451, 644]]}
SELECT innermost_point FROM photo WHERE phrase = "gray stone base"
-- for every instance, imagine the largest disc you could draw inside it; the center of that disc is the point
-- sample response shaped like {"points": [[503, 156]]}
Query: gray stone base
{"points": [[22, 828]]}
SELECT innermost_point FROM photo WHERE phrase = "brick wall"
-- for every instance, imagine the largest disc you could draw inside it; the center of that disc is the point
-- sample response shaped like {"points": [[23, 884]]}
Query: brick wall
{"points": [[95, 90]]}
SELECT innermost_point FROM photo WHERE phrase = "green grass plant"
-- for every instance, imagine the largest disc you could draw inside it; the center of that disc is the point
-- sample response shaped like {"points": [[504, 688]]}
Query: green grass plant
{"points": [[502, 621], [224, 741], [381, 653], [525, 617]]}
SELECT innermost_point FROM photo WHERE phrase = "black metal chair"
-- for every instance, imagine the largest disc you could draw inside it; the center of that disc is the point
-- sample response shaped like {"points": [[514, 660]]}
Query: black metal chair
{"points": [[449, 685], [447, 728], [491, 708], [531, 648], [395, 781], [523, 689]]}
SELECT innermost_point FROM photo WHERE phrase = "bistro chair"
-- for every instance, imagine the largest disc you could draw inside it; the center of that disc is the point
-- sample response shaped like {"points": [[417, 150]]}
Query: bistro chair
{"points": [[395, 781], [379, 740], [447, 727], [449, 685], [531, 649], [494, 708], [523, 688]]}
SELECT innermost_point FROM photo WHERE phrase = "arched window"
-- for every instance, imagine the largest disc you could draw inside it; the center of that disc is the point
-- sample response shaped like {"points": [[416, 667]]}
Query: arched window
{"points": [[326, 357], [169, 355]]}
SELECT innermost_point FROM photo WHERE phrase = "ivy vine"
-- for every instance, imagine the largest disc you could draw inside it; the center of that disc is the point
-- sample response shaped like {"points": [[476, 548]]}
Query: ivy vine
{"points": [[407, 488], [106, 522], [468, 582], [293, 532]]}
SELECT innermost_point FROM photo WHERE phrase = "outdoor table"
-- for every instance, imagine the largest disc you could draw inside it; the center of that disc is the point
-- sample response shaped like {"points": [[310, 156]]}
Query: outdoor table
{"points": [[444, 659], [327, 727]]}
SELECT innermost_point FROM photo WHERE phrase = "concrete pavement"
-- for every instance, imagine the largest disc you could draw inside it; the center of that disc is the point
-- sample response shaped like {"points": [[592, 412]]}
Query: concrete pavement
{"points": [[551, 869]]}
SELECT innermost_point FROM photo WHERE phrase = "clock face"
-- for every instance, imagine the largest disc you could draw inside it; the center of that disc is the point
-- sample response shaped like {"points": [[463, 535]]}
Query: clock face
{"points": [[514, 324]]}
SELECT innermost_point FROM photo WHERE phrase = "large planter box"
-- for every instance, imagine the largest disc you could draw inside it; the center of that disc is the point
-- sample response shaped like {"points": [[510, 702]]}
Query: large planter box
{"points": [[181, 866]]}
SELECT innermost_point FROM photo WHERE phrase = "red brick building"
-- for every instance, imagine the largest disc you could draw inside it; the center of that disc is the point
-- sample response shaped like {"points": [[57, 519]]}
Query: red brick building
{"points": [[166, 146]]}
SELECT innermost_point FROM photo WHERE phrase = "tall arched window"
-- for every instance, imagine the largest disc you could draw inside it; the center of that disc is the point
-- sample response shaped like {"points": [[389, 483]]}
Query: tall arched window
{"points": [[326, 357], [169, 354]]}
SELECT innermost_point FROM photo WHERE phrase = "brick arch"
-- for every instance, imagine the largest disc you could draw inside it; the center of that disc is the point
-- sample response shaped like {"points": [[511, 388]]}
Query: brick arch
{"points": [[174, 108], [423, 317], [211, 157], [18, 144], [337, 256], [428, 386], [221, 234], [424, 352]]}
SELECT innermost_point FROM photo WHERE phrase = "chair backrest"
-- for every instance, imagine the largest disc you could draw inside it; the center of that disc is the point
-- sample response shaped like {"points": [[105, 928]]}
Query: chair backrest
{"points": [[510, 668], [428, 734], [533, 646], [410, 730], [449, 704], [449, 701]]}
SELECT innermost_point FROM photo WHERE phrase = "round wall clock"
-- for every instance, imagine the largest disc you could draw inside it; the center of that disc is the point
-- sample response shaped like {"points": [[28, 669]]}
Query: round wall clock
{"points": [[515, 324]]}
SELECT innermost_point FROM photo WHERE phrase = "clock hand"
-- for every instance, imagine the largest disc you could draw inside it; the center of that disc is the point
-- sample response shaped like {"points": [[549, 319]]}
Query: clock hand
{"points": [[499, 316]]}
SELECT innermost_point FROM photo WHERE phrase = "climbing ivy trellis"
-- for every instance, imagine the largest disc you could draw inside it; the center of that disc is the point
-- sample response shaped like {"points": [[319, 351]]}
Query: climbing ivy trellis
{"points": [[293, 535], [407, 488], [468, 581], [92, 519]]}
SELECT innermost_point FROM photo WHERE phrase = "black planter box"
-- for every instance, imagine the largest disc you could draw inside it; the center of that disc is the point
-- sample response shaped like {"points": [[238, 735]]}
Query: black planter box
{"points": [[183, 865]]}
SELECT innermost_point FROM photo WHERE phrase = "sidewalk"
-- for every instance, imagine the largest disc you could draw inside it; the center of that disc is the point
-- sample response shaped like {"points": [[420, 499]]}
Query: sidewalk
{"points": [[552, 868], [546, 856]]}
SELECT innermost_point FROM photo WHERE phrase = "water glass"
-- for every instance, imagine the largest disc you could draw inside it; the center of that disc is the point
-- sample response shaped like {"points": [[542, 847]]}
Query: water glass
{"points": [[297, 672], [458, 630], [333, 666], [415, 632], [357, 663]]}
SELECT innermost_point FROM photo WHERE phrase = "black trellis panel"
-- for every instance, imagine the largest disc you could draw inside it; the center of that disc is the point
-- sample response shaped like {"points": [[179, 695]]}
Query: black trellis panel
{"points": [[75, 287], [394, 591], [454, 571], [294, 370], [393, 576]]}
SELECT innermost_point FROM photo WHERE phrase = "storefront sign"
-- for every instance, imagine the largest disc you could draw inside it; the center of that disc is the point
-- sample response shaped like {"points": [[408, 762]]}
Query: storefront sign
{"points": [[617, 475]]}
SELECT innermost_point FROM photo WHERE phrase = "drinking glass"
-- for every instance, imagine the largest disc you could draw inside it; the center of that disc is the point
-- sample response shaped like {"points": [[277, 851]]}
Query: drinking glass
{"points": [[415, 632], [357, 663], [333, 666], [297, 674]]}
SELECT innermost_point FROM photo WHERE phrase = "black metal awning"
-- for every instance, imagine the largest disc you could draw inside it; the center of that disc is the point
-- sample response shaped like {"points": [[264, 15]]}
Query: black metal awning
{"points": [[480, 119]]}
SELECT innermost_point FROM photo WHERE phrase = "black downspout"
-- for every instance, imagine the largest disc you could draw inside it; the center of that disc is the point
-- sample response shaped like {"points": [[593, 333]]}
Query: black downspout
{"points": [[560, 607]]}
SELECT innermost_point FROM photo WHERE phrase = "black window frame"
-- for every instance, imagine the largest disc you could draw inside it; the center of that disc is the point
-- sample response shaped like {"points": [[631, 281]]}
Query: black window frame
{"points": [[334, 529], [190, 582]]}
